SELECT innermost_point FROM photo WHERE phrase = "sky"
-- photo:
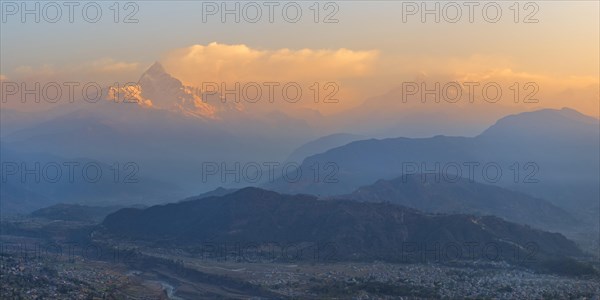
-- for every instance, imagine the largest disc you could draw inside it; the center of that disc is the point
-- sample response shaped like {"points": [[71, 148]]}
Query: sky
{"points": [[374, 47]]}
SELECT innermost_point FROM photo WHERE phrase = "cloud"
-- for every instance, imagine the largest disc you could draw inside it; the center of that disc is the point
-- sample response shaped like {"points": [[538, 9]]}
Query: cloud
{"points": [[549, 90], [228, 63], [522, 88], [231, 64], [100, 70]]}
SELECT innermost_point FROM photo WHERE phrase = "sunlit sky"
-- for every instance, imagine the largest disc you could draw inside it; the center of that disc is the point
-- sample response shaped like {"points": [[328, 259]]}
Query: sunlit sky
{"points": [[561, 51]]}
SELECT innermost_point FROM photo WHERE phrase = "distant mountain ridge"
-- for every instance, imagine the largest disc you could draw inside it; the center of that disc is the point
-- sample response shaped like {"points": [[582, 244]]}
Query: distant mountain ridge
{"points": [[551, 154], [322, 144], [423, 192], [545, 122]]}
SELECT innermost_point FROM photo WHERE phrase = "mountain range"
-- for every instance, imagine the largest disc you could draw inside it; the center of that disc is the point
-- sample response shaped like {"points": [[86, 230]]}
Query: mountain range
{"points": [[352, 230], [549, 154], [173, 130]]}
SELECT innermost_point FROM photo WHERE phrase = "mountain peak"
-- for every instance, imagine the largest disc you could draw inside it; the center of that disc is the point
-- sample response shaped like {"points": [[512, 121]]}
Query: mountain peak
{"points": [[255, 192], [545, 122], [156, 75], [167, 92], [156, 68]]}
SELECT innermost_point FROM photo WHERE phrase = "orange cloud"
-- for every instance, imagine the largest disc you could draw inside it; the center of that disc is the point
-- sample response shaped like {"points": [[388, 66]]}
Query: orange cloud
{"points": [[227, 63], [230, 64], [553, 89]]}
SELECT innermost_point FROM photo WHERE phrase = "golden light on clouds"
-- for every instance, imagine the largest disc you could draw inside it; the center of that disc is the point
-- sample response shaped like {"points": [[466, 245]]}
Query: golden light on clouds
{"points": [[554, 89], [230, 64], [220, 62]]}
